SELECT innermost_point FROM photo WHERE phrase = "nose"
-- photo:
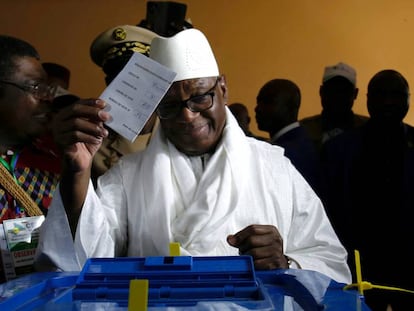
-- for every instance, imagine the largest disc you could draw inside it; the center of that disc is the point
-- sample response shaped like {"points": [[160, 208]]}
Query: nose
{"points": [[46, 97], [46, 106]]}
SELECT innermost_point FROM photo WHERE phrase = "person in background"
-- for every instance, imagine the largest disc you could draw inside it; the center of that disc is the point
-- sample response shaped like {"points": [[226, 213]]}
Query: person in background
{"points": [[57, 74], [30, 164], [242, 116], [277, 109], [201, 183], [112, 49], [370, 172], [338, 93]]}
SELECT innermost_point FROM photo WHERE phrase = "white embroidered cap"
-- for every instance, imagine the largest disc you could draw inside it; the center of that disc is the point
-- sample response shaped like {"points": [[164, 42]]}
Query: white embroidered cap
{"points": [[188, 53], [341, 70]]}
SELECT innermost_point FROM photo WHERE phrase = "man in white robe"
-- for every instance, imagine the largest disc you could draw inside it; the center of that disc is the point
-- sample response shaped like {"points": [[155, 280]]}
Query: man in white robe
{"points": [[201, 182]]}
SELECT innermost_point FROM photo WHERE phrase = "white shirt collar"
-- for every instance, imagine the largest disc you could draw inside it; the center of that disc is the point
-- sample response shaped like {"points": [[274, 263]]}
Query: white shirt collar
{"points": [[285, 130]]}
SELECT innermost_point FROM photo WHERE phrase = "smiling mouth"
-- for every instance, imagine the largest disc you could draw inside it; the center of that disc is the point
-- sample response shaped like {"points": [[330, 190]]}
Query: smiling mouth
{"points": [[193, 130]]}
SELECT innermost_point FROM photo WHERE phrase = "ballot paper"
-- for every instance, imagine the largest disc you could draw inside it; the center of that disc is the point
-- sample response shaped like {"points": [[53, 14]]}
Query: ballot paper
{"points": [[135, 93]]}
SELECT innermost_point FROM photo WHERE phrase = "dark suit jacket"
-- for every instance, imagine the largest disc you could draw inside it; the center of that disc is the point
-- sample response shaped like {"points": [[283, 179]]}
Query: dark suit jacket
{"points": [[303, 155], [370, 201]]}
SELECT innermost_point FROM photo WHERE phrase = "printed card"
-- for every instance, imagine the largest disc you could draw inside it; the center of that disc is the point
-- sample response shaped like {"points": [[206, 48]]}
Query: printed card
{"points": [[22, 236], [135, 93]]}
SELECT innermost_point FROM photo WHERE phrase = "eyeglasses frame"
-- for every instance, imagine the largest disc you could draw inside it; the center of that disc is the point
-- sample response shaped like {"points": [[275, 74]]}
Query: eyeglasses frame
{"points": [[184, 103], [31, 89]]}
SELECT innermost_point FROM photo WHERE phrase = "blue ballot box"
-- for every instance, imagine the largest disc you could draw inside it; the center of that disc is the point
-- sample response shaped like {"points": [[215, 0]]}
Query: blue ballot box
{"points": [[179, 283]]}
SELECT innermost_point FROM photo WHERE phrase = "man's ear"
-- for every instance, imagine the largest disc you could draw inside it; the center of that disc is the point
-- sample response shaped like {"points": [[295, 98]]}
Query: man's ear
{"points": [[223, 87]]}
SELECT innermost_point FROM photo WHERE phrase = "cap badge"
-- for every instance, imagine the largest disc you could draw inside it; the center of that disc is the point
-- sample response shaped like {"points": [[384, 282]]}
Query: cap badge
{"points": [[119, 34]]}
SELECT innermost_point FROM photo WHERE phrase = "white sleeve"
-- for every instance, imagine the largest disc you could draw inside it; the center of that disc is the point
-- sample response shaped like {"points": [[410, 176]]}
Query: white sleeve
{"points": [[55, 249], [101, 230], [312, 242]]}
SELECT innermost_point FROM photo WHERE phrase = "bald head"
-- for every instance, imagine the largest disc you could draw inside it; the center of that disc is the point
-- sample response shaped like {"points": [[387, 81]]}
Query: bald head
{"points": [[278, 103], [388, 97]]}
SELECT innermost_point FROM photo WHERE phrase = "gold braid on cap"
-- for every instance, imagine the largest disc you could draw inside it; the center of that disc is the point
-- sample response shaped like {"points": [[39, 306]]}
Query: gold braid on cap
{"points": [[122, 48]]}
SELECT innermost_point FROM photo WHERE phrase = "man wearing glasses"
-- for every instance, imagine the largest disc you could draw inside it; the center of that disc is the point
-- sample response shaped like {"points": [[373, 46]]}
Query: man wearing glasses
{"points": [[200, 182], [29, 164], [25, 105]]}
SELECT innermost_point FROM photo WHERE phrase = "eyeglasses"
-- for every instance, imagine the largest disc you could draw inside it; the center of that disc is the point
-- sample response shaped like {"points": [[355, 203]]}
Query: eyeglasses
{"points": [[38, 90], [197, 103]]}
